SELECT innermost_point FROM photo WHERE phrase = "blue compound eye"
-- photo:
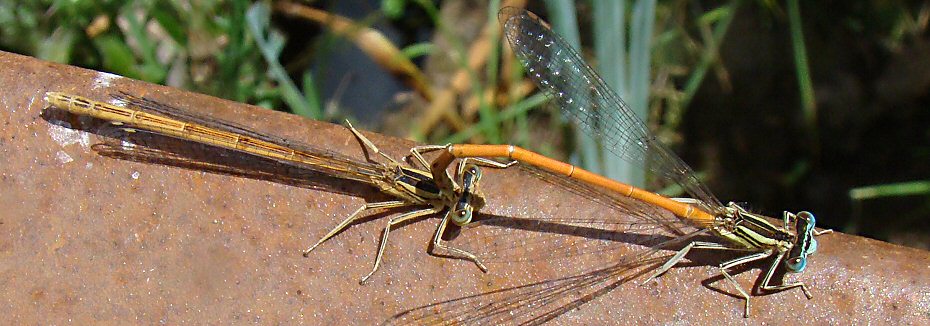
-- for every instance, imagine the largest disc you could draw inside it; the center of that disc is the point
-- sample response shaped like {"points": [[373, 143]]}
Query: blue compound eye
{"points": [[796, 265], [811, 220]]}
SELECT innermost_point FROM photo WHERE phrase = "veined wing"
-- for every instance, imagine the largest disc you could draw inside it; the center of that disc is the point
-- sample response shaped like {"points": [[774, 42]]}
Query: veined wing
{"points": [[562, 74]]}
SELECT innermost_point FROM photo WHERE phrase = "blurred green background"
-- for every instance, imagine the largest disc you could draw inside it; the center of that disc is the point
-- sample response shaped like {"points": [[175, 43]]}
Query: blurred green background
{"points": [[787, 105]]}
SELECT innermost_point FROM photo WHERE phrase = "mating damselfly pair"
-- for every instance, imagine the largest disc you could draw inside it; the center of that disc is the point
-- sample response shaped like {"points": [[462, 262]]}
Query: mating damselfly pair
{"points": [[429, 189]]}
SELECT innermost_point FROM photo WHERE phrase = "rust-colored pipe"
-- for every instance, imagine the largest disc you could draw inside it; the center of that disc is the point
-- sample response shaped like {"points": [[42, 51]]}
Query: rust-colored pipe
{"points": [[86, 238]]}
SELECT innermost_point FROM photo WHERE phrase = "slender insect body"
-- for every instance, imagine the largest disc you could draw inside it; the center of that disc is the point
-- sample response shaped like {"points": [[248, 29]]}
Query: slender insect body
{"points": [[560, 72], [410, 187], [557, 70]]}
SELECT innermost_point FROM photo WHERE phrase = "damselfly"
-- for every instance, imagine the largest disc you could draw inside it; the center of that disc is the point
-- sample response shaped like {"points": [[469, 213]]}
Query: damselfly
{"points": [[411, 188], [561, 73]]}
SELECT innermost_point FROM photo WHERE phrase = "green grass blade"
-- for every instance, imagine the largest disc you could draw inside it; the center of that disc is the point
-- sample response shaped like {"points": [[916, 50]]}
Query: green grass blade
{"points": [[565, 23], [912, 188], [808, 105], [270, 43]]}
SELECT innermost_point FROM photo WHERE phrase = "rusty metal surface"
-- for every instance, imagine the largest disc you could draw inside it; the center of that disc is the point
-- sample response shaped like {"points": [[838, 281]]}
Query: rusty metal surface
{"points": [[86, 239]]}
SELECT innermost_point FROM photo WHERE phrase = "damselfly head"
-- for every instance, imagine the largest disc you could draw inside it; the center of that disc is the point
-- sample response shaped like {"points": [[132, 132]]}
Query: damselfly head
{"points": [[804, 245], [810, 231], [470, 199]]}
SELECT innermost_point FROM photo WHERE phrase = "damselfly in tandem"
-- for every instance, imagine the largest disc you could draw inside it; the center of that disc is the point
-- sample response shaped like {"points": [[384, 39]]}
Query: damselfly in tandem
{"points": [[559, 71]]}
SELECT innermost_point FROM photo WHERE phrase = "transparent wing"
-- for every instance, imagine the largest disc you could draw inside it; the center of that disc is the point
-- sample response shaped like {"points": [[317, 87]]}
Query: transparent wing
{"points": [[153, 148], [530, 304], [562, 74], [324, 161], [587, 224]]}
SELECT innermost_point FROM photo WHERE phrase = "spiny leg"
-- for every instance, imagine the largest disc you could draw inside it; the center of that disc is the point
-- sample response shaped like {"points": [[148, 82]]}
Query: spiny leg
{"points": [[740, 261], [437, 243], [768, 278], [788, 217], [368, 143], [723, 267], [387, 230], [822, 232], [681, 254], [480, 161], [418, 151], [351, 218]]}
